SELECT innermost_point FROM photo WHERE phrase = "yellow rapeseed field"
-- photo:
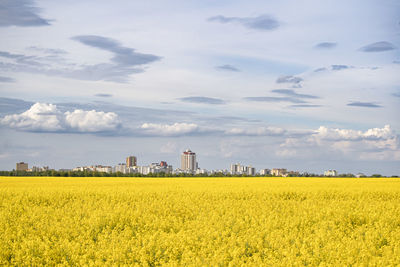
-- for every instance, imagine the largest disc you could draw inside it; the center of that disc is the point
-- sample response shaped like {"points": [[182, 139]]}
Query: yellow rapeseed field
{"points": [[199, 221]]}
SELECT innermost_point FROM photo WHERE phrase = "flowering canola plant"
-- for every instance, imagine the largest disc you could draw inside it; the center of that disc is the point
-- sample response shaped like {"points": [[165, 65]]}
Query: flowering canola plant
{"points": [[199, 221]]}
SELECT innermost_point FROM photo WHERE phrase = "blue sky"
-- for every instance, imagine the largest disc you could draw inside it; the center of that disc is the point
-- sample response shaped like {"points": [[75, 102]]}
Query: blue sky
{"points": [[307, 85]]}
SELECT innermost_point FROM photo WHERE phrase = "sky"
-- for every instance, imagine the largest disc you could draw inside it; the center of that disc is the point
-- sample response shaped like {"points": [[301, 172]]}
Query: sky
{"points": [[303, 85]]}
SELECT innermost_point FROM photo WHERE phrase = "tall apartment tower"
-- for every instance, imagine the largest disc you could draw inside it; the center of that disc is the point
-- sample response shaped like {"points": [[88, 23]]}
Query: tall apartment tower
{"points": [[188, 160], [22, 166], [131, 161]]}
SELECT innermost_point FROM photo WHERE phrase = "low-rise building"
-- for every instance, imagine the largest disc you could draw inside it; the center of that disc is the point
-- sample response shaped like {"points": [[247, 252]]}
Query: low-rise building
{"points": [[279, 172], [330, 173], [121, 167], [38, 169], [265, 172]]}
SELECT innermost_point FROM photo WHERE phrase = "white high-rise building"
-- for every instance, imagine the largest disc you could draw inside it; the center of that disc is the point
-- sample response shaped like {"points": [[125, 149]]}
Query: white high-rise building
{"points": [[188, 161]]}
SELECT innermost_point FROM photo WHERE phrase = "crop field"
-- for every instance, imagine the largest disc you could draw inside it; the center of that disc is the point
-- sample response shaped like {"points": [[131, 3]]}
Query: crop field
{"points": [[199, 221]]}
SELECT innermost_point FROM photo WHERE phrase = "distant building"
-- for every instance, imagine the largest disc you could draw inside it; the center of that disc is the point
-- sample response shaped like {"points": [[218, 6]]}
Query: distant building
{"points": [[96, 168], [131, 161], [160, 167], [39, 169], [188, 161], [237, 169], [201, 171], [107, 169], [163, 163], [121, 167], [265, 171], [330, 173], [251, 171], [360, 174], [279, 172], [22, 166]]}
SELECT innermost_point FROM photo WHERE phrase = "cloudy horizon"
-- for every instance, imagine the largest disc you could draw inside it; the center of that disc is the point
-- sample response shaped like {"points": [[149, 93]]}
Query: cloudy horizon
{"points": [[305, 86]]}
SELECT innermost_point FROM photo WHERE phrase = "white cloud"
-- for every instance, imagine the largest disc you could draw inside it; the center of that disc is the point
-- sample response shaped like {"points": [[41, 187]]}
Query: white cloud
{"points": [[40, 117], [257, 131], [372, 144], [44, 117], [92, 121], [170, 129], [344, 134]]}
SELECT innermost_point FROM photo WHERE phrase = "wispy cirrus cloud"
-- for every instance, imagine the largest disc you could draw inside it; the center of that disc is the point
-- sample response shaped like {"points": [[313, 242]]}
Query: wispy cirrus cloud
{"points": [[378, 47], [103, 95], [292, 93], [6, 79], [123, 56], [288, 95], [289, 79], [262, 22], [305, 106], [202, 100], [125, 62], [227, 67], [339, 67], [47, 50], [364, 104], [274, 99], [22, 13], [325, 45]]}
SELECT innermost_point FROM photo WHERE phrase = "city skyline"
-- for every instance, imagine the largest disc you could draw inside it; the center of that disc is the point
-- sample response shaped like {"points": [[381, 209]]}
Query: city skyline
{"points": [[307, 86], [189, 165]]}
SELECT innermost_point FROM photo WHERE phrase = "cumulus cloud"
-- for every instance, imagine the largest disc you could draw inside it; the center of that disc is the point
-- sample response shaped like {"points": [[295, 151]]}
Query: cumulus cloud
{"points": [[42, 117], [202, 100], [364, 104], [22, 13], [228, 67], [175, 129], [262, 22], [344, 134], [91, 121], [325, 45], [289, 79], [378, 47], [372, 144]]}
